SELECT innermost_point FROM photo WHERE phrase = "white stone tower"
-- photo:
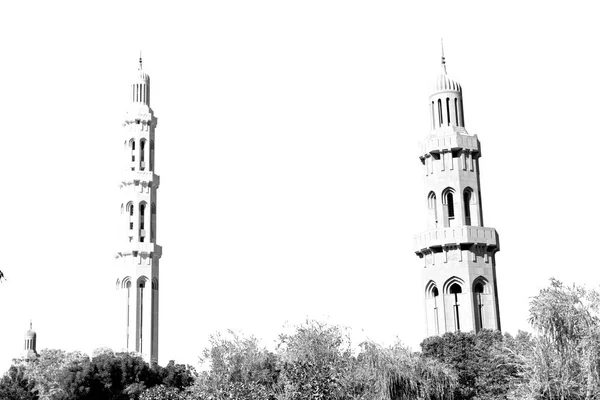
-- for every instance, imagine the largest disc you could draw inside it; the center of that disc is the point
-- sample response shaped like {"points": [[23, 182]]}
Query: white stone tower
{"points": [[29, 351], [459, 275], [139, 255]]}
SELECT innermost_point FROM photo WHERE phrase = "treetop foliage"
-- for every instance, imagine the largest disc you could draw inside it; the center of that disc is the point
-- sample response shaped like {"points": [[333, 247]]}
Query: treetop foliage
{"points": [[316, 360]]}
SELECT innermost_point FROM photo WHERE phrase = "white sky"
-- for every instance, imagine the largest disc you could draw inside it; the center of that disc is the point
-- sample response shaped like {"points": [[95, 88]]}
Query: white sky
{"points": [[287, 146]]}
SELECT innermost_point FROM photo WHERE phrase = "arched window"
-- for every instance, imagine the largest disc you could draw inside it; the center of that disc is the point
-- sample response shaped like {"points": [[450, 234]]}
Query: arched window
{"points": [[440, 118], [467, 206], [448, 109], [431, 290], [153, 222], [432, 205], [129, 209], [432, 115], [455, 289], [450, 203], [480, 289], [456, 111], [126, 284], [448, 206], [432, 293], [142, 155], [132, 145], [141, 285], [142, 217], [431, 200]]}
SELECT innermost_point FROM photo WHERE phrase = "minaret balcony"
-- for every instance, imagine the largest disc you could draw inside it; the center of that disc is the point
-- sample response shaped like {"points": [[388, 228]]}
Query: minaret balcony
{"points": [[456, 235], [141, 177], [141, 248], [455, 139]]}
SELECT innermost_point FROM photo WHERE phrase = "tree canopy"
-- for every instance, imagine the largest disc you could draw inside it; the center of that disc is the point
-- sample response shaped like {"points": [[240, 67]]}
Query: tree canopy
{"points": [[317, 360], [61, 375]]}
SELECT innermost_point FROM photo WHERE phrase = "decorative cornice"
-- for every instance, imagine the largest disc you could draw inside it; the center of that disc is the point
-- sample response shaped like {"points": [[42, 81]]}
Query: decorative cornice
{"points": [[145, 179]]}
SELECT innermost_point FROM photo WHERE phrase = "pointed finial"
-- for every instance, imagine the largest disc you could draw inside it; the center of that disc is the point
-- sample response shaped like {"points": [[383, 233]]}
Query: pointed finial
{"points": [[140, 68], [443, 58], [30, 325]]}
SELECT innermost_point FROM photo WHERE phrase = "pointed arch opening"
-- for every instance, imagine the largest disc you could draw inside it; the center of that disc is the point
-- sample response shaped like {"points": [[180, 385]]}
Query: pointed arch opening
{"points": [[153, 222], [142, 154], [140, 287], [448, 109], [440, 117], [432, 207], [456, 112], [142, 219], [132, 148], [453, 288], [467, 202], [448, 204], [129, 209], [431, 290], [126, 285], [481, 292], [431, 301], [151, 156]]}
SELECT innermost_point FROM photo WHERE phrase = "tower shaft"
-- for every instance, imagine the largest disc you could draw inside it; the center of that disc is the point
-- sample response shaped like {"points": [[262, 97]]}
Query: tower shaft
{"points": [[139, 255], [459, 277]]}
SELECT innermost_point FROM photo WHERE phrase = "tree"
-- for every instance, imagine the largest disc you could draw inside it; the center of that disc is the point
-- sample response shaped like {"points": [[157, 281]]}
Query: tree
{"points": [[162, 392], [59, 375], [239, 369], [15, 385], [46, 371], [395, 373], [316, 360], [487, 368], [563, 361], [177, 376]]}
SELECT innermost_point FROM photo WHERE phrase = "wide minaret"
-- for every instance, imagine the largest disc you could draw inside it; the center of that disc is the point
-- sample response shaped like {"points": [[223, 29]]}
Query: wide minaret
{"points": [[459, 274], [138, 255]]}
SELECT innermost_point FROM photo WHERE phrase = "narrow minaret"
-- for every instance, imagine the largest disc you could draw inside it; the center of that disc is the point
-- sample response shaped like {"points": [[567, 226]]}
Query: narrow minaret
{"points": [[459, 275], [29, 349], [139, 254]]}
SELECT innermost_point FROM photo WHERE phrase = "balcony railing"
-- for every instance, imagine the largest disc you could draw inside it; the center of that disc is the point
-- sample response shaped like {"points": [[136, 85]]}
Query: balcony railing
{"points": [[456, 235]]}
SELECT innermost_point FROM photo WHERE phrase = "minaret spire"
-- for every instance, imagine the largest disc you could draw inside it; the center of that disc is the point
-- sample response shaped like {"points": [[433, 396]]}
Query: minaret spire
{"points": [[443, 58], [140, 67]]}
